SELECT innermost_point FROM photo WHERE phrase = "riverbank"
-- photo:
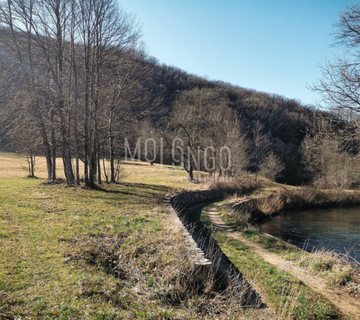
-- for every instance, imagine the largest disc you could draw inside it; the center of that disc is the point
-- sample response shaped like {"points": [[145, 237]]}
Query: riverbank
{"points": [[269, 201], [280, 290], [337, 269], [113, 252], [253, 259]]}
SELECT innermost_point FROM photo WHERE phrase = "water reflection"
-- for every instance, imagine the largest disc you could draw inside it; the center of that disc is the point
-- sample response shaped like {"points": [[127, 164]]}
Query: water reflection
{"points": [[336, 229]]}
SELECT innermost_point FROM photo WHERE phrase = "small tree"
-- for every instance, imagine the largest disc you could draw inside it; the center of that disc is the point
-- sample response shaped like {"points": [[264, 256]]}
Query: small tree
{"points": [[206, 124], [271, 167], [339, 85]]}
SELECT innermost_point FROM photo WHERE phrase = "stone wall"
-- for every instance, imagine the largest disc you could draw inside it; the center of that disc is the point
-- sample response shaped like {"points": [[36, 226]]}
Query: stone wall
{"points": [[182, 200], [206, 253]]}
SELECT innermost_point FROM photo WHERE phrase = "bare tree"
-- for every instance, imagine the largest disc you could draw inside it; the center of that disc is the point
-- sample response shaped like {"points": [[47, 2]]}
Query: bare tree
{"points": [[38, 32], [23, 72], [105, 32], [271, 166], [120, 83], [339, 86], [329, 157], [206, 125], [260, 145], [64, 54]]}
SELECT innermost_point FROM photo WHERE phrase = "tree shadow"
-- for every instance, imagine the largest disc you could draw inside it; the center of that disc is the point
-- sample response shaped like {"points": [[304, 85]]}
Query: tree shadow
{"points": [[145, 190]]}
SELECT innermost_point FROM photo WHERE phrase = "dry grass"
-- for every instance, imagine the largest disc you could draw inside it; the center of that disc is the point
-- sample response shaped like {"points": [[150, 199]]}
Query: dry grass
{"points": [[339, 270], [271, 204], [289, 297], [14, 165], [271, 201], [308, 197], [199, 294], [242, 184]]}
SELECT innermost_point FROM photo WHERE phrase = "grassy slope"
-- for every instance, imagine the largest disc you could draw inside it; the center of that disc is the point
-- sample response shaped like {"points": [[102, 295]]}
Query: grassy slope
{"points": [[44, 229]]}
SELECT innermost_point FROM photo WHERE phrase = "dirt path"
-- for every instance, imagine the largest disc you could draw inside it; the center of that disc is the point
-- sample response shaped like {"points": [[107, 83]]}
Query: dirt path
{"points": [[347, 305]]}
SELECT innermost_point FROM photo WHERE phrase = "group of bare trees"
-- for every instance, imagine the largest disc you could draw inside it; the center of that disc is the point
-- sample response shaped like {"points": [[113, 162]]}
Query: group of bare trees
{"points": [[74, 82], [66, 70], [331, 146], [71, 75], [204, 133], [331, 153]]}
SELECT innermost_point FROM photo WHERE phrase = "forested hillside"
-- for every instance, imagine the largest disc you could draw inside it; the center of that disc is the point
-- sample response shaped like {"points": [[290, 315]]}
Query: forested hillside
{"points": [[285, 120], [78, 91]]}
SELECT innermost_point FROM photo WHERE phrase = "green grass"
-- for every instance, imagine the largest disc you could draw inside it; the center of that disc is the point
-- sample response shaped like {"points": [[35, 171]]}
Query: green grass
{"points": [[55, 244], [47, 240], [285, 293], [268, 242]]}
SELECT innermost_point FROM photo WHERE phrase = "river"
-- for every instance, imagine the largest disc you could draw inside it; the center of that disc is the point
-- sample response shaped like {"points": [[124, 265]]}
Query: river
{"points": [[332, 229]]}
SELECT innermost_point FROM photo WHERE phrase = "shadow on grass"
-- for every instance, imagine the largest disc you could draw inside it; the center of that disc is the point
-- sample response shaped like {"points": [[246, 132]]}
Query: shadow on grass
{"points": [[130, 163], [134, 189]]}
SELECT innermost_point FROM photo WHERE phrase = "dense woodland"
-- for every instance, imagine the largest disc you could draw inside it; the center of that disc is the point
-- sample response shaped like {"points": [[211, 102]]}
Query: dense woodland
{"points": [[75, 83]]}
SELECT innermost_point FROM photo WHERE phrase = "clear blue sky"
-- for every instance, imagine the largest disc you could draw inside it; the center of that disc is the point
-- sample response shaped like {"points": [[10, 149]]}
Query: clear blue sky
{"points": [[268, 45]]}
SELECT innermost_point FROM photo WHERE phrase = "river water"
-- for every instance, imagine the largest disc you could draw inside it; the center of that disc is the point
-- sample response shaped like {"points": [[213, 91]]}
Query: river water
{"points": [[332, 229]]}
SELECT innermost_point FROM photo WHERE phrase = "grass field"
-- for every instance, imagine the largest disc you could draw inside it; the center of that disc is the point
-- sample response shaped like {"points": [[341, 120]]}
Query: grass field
{"points": [[57, 244], [112, 253]]}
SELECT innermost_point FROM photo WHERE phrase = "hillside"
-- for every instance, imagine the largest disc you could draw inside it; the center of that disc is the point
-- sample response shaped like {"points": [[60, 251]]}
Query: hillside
{"points": [[285, 120], [150, 94]]}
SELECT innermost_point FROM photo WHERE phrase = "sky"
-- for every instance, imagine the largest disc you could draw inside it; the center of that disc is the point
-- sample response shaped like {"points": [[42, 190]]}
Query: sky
{"points": [[274, 46]]}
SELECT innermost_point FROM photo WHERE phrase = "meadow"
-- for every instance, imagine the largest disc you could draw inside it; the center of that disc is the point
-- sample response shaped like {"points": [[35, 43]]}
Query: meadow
{"points": [[58, 244]]}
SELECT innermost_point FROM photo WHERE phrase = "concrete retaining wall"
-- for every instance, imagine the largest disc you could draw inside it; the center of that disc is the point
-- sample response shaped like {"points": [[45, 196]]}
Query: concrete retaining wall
{"points": [[206, 253], [182, 200], [196, 255]]}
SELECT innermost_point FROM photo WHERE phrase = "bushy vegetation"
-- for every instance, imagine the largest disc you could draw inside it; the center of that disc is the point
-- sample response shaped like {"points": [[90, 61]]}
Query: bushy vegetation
{"points": [[339, 270]]}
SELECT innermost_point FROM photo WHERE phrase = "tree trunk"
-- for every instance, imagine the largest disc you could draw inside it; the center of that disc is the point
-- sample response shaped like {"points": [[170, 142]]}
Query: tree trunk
{"points": [[112, 161], [48, 162], [32, 164], [66, 153], [53, 163], [77, 164], [111, 151], [105, 173], [86, 124], [74, 68], [45, 141], [191, 174], [53, 147], [99, 166]]}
